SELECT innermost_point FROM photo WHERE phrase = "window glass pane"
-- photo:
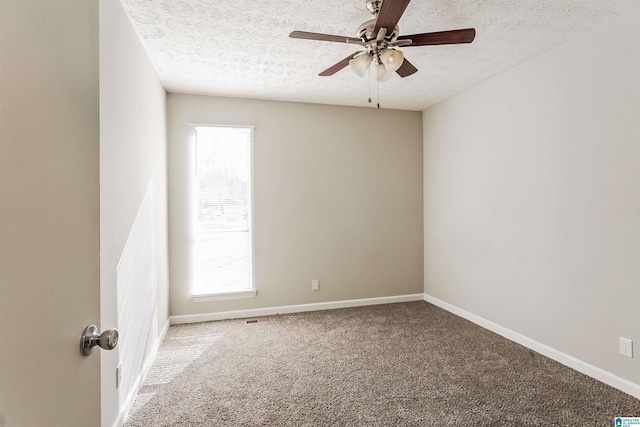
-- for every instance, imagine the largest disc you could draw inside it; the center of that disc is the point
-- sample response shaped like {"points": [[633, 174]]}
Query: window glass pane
{"points": [[223, 224]]}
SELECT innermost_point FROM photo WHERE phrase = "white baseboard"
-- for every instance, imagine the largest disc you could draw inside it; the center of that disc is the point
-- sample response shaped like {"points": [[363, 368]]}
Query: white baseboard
{"points": [[128, 404], [567, 360], [269, 311]]}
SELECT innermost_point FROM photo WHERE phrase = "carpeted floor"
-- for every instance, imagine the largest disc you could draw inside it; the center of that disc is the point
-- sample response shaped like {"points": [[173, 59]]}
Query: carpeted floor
{"points": [[409, 364]]}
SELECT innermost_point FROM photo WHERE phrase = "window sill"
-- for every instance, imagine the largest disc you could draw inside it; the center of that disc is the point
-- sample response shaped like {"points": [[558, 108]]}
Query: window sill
{"points": [[224, 296]]}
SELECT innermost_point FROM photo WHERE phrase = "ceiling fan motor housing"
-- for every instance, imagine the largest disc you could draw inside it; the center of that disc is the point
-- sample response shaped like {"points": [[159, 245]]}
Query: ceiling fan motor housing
{"points": [[366, 33]]}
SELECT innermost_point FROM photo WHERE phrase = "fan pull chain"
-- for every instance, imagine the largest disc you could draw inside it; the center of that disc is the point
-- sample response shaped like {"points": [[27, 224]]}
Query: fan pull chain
{"points": [[369, 85], [378, 90]]}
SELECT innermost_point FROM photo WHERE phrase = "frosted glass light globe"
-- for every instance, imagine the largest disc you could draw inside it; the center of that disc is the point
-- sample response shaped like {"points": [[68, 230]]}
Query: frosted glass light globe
{"points": [[392, 59], [360, 64], [383, 73]]}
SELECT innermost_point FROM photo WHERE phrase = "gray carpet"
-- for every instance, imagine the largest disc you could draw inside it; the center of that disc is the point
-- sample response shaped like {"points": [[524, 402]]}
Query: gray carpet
{"points": [[409, 364]]}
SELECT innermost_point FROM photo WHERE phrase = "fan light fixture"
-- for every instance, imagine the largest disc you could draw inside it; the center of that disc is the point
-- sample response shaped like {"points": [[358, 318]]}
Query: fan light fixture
{"points": [[360, 64], [388, 62], [392, 59], [383, 73]]}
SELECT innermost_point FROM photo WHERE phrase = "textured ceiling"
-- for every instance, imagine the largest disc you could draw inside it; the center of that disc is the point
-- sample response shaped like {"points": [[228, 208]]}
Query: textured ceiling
{"points": [[241, 48]]}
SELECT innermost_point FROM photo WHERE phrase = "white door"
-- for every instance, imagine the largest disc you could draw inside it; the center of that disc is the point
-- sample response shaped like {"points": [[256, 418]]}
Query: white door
{"points": [[49, 212]]}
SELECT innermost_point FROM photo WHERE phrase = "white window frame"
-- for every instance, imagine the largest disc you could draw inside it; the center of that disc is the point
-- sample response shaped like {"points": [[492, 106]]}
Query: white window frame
{"points": [[221, 296]]}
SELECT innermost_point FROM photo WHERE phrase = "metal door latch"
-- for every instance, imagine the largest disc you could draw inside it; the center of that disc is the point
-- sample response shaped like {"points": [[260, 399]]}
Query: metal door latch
{"points": [[90, 338]]}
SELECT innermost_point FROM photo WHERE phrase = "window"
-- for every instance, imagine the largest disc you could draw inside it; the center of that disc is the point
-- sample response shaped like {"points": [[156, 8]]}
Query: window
{"points": [[223, 216]]}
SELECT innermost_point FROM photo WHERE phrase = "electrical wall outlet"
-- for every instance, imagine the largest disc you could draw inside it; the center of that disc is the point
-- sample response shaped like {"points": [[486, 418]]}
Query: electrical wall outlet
{"points": [[315, 285], [626, 347], [118, 375]]}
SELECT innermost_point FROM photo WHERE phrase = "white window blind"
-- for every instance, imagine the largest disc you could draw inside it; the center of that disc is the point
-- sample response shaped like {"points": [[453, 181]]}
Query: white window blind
{"points": [[223, 223]]}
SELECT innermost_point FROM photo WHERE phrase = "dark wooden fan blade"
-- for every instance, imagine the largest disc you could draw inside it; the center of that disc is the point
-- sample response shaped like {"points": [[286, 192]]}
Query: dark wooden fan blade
{"points": [[441, 37], [323, 37], [406, 69], [389, 15], [338, 66]]}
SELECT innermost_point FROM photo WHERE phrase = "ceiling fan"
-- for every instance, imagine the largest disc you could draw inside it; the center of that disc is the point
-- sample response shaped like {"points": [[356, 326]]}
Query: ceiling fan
{"points": [[380, 39]]}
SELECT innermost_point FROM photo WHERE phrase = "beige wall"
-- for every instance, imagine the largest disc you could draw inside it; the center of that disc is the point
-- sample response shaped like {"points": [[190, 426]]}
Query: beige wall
{"points": [[132, 159], [49, 212], [532, 198], [338, 197]]}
